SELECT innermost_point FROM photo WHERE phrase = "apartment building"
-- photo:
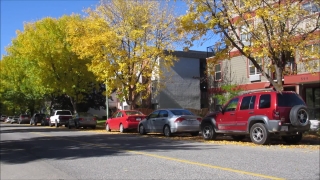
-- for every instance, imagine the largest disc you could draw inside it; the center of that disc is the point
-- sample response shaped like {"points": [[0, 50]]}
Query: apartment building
{"points": [[184, 85], [237, 69]]}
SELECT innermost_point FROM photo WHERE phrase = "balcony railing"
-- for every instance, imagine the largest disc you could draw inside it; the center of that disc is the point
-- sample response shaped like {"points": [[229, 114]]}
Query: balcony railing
{"points": [[212, 50]]}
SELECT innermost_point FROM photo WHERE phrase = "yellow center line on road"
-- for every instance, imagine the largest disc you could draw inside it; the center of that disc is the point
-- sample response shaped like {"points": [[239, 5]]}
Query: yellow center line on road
{"points": [[170, 158]]}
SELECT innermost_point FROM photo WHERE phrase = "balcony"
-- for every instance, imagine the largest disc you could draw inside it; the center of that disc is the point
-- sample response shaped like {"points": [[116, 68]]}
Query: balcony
{"points": [[214, 49]]}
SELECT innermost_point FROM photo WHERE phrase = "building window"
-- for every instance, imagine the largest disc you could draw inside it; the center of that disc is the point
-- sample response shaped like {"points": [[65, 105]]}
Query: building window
{"points": [[312, 95], [241, 3], [252, 69], [290, 67], [245, 36], [311, 7], [217, 72]]}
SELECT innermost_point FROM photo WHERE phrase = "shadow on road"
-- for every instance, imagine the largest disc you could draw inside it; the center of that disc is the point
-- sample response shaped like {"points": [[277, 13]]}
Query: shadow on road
{"points": [[66, 145]]}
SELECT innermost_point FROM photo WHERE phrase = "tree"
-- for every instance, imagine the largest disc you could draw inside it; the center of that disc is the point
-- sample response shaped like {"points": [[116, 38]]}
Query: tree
{"points": [[45, 64], [275, 30], [126, 40]]}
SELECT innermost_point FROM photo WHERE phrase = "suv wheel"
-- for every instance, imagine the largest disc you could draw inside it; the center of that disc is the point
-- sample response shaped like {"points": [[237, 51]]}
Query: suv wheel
{"points": [[259, 134], [238, 137], [299, 115], [208, 132], [294, 139]]}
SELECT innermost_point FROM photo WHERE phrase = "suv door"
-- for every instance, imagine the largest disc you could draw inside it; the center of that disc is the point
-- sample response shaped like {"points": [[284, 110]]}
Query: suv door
{"points": [[246, 110], [227, 120]]}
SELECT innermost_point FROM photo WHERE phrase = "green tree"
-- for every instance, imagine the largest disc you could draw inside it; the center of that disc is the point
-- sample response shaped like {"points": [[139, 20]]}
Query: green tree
{"points": [[276, 30], [44, 63]]}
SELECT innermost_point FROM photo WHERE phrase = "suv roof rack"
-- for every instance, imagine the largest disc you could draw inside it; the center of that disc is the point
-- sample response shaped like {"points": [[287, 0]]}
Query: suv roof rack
{"points": [[258, 90]]}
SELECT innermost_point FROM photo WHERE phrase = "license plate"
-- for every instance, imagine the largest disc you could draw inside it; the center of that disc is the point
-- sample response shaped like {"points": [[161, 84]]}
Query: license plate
{"points": [[284, 128], [138, 119], [189, 122]]}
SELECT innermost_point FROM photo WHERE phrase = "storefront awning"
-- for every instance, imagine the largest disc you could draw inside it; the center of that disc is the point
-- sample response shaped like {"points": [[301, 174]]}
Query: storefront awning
{"points": [[302, 78]]}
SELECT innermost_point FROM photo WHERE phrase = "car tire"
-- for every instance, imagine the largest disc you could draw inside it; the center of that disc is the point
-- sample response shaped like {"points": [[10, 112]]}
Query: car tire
{"points": [[42, 123], [77, 126], [56, 124], [208, 132], [293, 139], [299, 115], [142, 131], [108, 128], [238, 137], [121, 128], [194, 134], [259, 134], [167, 131]]}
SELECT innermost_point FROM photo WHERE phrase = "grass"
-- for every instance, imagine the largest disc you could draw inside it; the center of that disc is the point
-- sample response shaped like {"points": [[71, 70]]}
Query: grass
{"points": [[101, 123]]}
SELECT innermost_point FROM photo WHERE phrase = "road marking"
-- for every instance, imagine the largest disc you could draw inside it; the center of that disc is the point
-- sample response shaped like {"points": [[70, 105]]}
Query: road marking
{"points": [[170, 158]]}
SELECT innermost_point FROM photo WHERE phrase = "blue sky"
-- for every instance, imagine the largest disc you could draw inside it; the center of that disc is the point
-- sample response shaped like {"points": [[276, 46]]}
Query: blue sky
{"points": [[15, 12]]}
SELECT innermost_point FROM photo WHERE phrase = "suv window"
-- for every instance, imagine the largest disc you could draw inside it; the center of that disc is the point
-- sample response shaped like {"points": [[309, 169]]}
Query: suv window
{"points": [[232, 105], [265, 101], [248, 102], [289, 100]]}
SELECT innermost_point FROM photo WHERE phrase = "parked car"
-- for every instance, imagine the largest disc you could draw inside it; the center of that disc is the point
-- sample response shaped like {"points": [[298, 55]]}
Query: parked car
{"points": [[8, 119], [45, 120], [82, 119], [24, 119], [38, 118], [124, 120], [259, 115], [15, 119], [169, 121], [3, 117]]}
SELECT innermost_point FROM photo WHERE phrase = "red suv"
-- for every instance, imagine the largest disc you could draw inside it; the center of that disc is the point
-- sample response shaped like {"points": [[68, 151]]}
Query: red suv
{"points": [[259, 115]]}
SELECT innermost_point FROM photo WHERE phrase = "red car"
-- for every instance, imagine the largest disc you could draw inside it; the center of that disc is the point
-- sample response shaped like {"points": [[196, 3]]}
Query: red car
{"points": [[123, 120]]}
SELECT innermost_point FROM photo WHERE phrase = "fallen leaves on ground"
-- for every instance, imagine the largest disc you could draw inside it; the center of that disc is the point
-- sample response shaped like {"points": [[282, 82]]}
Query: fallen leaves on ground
{"points": [[310, 142]]}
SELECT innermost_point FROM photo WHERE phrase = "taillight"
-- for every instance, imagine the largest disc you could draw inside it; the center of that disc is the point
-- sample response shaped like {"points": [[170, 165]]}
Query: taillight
{"points": [[180, 119], [276, 114], [131, 119]]}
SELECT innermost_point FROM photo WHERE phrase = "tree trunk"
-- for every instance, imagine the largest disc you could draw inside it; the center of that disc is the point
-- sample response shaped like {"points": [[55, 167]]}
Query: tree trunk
{"points": [[279, 71], [74, 104]]}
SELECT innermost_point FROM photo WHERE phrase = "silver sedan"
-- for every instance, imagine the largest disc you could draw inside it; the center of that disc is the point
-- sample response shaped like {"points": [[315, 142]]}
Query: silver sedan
{"points": [[169, 121]]}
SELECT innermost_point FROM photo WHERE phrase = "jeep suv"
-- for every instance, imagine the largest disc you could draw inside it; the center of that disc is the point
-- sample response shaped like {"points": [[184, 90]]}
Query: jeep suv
{"points": [[259, 115]]}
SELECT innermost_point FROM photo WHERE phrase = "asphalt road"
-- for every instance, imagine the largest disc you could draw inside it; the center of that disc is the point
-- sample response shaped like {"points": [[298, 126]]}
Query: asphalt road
{"points": [[58, 153]]}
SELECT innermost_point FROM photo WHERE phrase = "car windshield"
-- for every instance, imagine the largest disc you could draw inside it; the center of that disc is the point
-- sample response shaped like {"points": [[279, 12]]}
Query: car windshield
{"points": [[181, 112], [63, 113], [289, 100], [133, 113]]}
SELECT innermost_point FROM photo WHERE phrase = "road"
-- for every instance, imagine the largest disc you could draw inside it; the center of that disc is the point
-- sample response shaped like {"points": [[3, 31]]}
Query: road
{"points": [[29, 152]]}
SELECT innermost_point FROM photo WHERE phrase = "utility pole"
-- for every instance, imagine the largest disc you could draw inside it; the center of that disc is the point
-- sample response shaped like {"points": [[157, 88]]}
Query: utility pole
{"points": [[107, 100]]}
